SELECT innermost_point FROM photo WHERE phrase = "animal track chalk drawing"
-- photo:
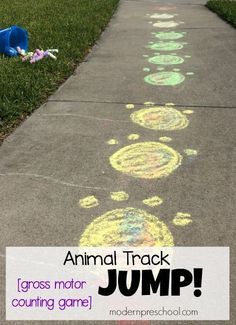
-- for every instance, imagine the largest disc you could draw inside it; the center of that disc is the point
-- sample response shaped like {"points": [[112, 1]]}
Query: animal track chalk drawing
{"points": [[182, 219], [167, 24], [146, 160], [89, 202], [119, 196], [169, 35], [164, 118], [165, 78], [131, 226], [127, 227], [153, 201], [165, 8], [163, 16], [166, 46], [166, 59]]}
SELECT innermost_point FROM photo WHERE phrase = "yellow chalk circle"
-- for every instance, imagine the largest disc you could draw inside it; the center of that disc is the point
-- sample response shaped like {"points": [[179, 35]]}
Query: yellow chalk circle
{"points": [[146, 160], [89, 202], [153, 201], [165, 139], [127, 227], [160, 118], [182, 219], [191, 152], [133, 136], [119, 196], [112, 142], [129, 106]]}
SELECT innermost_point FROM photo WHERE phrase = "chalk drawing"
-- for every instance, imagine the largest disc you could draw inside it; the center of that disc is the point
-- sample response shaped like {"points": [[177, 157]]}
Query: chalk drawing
{"points": [[163, 16], [89, 202], [56, 181], [119, 196], [147, 160], [188, 111], [166, 59], [166, 78], [133, 136], [182, 219], [153, 201], [164, 118], [169, 35], [127, 227], [129, 106], [166, 46], [166, 24], [149, 103], [165, 8], [191, 152], [112, 142], [165, 139]]}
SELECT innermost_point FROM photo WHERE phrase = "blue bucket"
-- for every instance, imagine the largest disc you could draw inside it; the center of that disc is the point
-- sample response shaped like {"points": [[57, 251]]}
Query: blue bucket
{"points": [[11, 38]]}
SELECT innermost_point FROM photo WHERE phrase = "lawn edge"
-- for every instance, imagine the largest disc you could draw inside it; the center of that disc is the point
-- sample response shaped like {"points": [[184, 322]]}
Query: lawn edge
{"points": [[18, 122], [220, 15]]}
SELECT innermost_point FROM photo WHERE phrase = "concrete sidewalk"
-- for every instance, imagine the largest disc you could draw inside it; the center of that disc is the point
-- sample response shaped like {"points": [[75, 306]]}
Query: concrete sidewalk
{"points": [[61, 154]]}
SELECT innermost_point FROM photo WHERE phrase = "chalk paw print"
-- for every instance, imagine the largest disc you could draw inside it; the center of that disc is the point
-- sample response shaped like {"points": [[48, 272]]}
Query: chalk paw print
{"points": [[147, 160], [162, 16], [164, 60], [130, 226], [167, 45], [166, 24], [166, 78], [160, 118], [152, 159], [169, 35]]}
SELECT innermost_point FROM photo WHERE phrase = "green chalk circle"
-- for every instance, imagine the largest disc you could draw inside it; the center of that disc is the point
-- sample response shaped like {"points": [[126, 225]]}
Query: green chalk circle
{"points": [[165, 78], [166, 59], [166, 46], [169, 35]]}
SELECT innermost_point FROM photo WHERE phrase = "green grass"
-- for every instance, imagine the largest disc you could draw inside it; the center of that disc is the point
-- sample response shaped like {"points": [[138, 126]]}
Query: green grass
{"points": [[225, 9], [72, 26]]}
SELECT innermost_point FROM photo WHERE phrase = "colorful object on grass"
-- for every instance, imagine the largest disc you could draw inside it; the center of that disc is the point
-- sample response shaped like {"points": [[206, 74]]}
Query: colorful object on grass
{"points": [[37, 55], [11, 38], [41, 54], [24, 55]]}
